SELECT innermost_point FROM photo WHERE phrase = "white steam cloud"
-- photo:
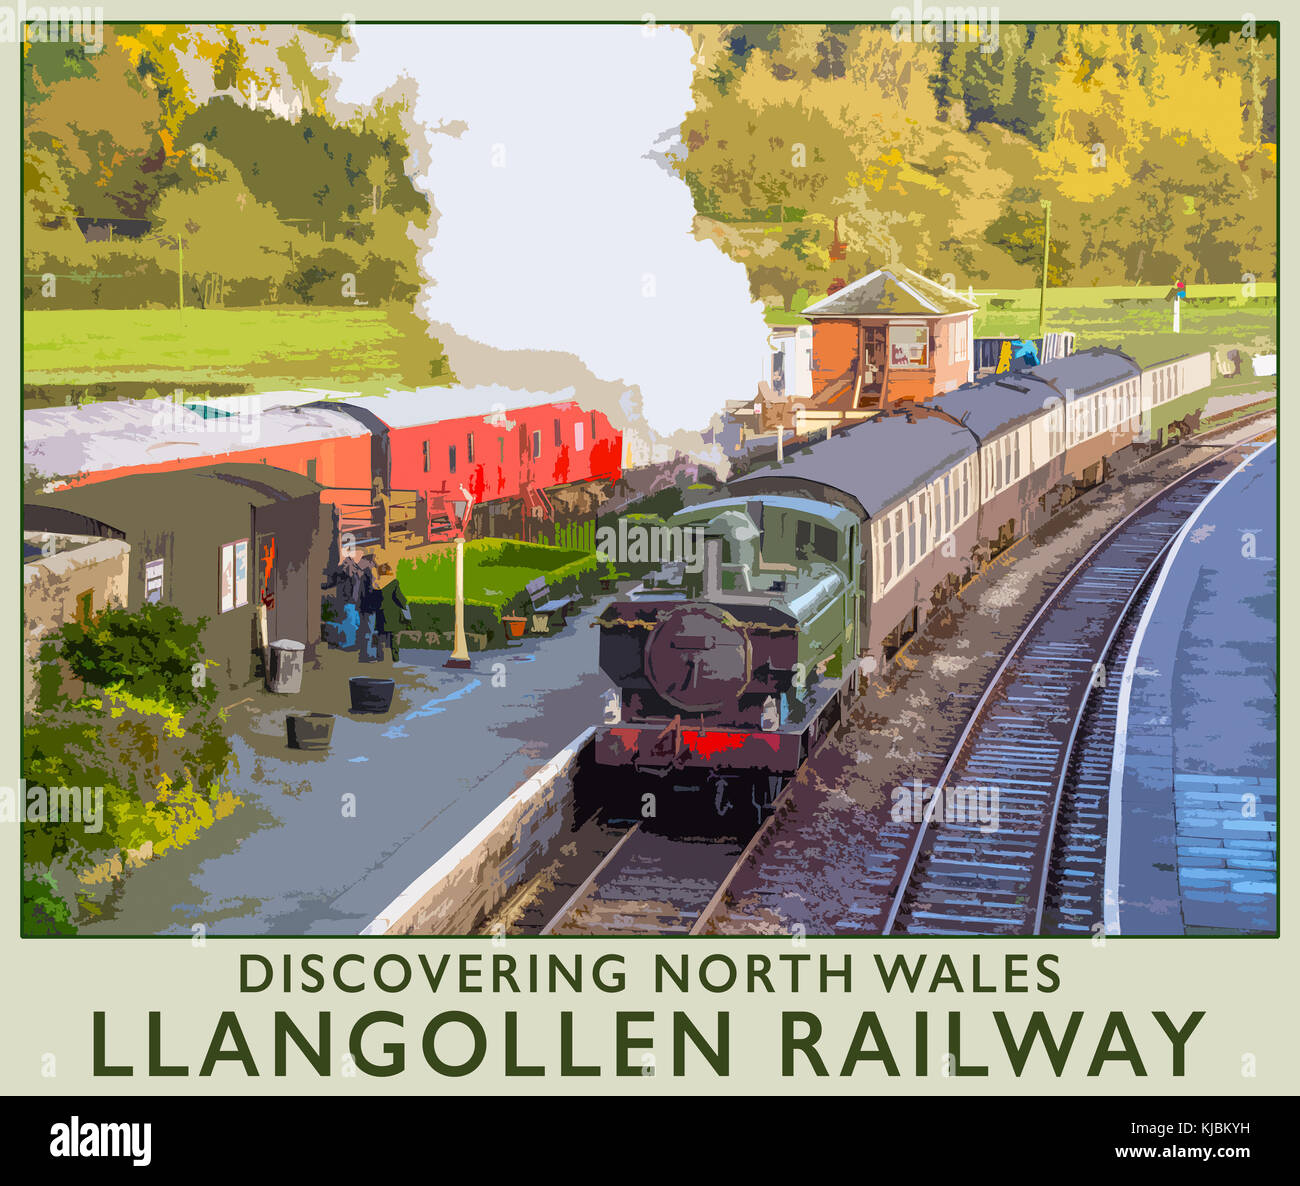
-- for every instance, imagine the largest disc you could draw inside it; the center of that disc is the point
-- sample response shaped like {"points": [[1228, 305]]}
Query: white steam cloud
{"points": [[556, 230]]}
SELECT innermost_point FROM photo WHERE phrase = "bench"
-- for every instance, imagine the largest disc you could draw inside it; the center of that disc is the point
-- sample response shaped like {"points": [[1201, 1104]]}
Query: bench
{"points": [[544, 605]]}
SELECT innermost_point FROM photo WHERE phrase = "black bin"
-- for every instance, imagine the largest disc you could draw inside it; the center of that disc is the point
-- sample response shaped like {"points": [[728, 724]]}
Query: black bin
{"points": [[370, 693]]}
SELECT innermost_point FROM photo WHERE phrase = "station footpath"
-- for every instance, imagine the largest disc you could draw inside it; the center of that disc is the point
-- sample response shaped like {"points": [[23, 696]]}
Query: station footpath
{"points": [[1193, 806]]}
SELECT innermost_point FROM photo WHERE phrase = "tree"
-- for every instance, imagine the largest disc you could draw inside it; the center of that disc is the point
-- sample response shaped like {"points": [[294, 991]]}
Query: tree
{"points": [[226, 234]]}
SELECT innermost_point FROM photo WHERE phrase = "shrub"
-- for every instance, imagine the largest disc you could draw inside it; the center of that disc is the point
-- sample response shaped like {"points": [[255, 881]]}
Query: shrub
{"points": [[45, 914], [153, 651], [158, 766]]}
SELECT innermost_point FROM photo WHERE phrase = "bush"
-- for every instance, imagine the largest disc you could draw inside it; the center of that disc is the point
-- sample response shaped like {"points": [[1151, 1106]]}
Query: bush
{"points": [[45, 914], [440, 617], [160, 767], [153, 651]]}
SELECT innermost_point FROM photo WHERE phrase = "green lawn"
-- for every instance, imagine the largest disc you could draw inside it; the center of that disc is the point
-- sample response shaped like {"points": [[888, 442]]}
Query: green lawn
{"points": [[259, 349], [1139, 320], [496, 571], [1144, 330]]}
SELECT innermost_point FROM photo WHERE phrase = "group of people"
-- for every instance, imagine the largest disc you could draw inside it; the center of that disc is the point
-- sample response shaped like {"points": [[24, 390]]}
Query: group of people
{"points": [[368, 605]]}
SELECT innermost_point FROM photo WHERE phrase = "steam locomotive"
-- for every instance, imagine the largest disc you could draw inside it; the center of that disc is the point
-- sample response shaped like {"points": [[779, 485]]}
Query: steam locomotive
{"points": [[815, 571]]}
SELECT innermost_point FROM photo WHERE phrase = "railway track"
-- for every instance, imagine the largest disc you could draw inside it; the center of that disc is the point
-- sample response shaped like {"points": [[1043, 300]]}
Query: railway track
{"points": [[1076, 881], [1025, 737], [653, 884]]}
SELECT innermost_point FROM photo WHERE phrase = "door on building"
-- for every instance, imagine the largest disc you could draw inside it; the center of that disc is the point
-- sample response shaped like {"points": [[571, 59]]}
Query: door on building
{"points": [[871, 387]]}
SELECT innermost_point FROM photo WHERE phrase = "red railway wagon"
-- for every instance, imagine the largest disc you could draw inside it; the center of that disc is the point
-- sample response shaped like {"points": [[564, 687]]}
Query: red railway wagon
{"points": [[506, 451]]}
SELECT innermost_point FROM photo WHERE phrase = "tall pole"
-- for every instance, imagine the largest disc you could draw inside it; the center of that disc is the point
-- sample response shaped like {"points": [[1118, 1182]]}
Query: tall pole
{"points": [[180, 277], [460, 652], [1042, 296]]}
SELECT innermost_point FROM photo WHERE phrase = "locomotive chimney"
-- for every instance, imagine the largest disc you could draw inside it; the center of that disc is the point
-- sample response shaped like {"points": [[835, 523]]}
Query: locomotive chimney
{"points": [[712, 569]]}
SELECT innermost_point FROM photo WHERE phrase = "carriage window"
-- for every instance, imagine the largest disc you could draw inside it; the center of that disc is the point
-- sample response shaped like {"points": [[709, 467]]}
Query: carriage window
{"points": [[911, 533], [451, 458], [537, 444], [898, 540], [425, 448], [923, 535], [559, 437], [947, 503], [1017, 440], [577, 436], [469, 448]]}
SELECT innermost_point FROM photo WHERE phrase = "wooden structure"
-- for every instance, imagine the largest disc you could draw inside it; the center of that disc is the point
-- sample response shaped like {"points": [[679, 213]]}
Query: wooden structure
{"points": [[891, 337]]}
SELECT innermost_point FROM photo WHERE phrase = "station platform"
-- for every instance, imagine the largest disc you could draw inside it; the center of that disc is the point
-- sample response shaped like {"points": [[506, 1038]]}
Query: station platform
{"points": [[1192, 845]]}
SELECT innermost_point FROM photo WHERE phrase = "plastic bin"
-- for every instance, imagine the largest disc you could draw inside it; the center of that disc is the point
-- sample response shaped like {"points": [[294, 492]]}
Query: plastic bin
{"points": [[310, 730], [370, 695], [286, 667]]}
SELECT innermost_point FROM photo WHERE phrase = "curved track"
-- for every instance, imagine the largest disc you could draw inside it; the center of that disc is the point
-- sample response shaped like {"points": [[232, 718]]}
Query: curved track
{"points": [[1076, 882], [963, 876]]}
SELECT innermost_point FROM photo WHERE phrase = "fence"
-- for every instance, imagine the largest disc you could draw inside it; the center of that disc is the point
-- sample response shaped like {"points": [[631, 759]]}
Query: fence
{"points": [[576, 537], [1056, 345]]}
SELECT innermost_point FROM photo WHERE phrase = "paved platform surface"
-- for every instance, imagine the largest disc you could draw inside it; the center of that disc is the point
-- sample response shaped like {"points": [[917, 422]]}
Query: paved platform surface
{"points": [[296, 858], [1196, 811]]}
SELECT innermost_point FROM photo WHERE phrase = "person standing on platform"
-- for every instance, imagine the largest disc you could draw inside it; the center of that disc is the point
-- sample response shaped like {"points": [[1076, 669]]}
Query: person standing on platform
{"points": [[392, 608], [371, 606], [349, 580]]}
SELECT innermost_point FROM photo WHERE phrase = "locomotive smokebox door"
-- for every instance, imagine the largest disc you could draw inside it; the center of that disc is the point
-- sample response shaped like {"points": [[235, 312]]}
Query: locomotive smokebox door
{"points": [[697, 661]]}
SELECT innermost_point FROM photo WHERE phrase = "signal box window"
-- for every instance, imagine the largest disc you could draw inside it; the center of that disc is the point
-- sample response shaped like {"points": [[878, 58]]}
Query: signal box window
{"points": [[909, 346]]}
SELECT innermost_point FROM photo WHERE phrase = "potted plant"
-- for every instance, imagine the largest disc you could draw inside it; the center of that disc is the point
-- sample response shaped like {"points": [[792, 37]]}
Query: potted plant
{"points": [[514, 625], [610, 577]]}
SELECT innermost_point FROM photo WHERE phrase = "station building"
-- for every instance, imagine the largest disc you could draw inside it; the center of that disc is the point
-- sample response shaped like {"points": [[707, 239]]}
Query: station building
{"points": [[215, 541]]}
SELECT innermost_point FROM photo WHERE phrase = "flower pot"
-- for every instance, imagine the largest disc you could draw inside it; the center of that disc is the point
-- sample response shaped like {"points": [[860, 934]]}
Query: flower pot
{"points": [[514, 627], [370, 694], [310, 730]]}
